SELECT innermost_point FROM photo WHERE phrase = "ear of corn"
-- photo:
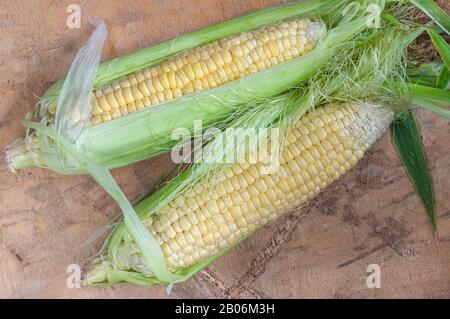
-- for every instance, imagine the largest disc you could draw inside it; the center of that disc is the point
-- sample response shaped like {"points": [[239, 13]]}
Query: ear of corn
{"points": [[206, 67], [207, 218], [147, 133], [109, 71]]}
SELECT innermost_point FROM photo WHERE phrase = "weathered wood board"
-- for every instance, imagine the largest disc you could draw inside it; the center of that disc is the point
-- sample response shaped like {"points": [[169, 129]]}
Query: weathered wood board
{"points": [[371, 216]]}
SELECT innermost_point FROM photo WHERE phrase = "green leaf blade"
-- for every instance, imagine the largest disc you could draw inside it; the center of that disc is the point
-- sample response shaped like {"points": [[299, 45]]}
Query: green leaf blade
{"points": [[406, 138], [443, 81], [434, 107], [434, 12], [441, 46], [424, 92]]}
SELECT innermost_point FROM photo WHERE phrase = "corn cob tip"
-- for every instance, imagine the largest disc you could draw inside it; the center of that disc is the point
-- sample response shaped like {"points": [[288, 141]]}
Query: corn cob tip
{"points": [[17, 155], [97, 272], [8, 161]]}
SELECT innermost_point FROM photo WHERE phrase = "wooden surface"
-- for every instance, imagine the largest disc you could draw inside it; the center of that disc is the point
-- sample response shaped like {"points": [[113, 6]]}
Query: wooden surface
{"points": [[371, 216]]}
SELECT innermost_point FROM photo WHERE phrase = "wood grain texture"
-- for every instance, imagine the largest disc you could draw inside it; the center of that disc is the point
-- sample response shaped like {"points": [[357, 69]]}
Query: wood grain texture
{"points": [[371, 215]]}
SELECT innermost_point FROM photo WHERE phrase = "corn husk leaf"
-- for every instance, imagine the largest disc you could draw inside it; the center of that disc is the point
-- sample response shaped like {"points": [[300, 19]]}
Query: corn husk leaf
{"points": [[433, 106], [441, 46], [434, 12], [406, 138], [425, 74], [443, 80]]}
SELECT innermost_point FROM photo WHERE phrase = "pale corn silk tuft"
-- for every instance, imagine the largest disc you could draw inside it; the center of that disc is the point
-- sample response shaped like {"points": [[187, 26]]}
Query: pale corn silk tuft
{"points": [[205, 219]]}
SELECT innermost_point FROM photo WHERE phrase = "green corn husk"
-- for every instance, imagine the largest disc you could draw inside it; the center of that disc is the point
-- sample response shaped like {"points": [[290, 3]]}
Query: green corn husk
{"points": [[147, 133], [357, 75]]}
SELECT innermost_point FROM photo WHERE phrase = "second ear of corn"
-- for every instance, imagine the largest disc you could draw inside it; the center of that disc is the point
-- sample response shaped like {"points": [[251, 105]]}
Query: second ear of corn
{"points": [[207, 218], [206, 67]]}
